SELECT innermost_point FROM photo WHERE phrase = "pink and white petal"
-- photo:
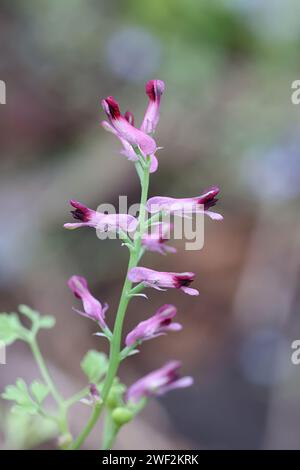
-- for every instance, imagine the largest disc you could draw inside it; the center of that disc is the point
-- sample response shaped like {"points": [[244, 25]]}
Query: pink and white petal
{"points": [[170, 249], [189, 290], [73, 226], [173, 327], [153, 285], [153, 164], [180, 383], [139, 274], [214, 215], [109, 128]]}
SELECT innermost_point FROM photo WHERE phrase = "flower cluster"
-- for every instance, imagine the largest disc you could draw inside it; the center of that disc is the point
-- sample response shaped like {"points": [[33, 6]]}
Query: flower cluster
{"points": [[139, 146], [149, 231]]}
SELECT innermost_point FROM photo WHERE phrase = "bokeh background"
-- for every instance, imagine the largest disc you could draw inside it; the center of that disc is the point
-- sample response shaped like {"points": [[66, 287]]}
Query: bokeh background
{"points": [[227, 119]]}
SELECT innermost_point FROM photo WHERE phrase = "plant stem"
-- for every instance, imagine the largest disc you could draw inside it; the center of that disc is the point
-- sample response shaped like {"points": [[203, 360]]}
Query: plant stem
{"points": [[62, 418], [76, 397], [115, 346], [109, 432], [45, 373]]}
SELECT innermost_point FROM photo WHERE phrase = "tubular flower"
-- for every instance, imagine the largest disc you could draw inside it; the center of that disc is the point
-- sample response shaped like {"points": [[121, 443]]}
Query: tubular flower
{"points": [[125, 129], [92, 307], [186, 206], [130, 136], [99, 220], [93, 397], [158, 382], [128, 150], [123, 126], [163, 280], [159, 324], [154, 90], [156, 240]]}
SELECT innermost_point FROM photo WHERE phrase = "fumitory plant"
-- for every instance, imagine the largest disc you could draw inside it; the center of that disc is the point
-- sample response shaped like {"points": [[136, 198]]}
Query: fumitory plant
{"points": [[104, 392]]}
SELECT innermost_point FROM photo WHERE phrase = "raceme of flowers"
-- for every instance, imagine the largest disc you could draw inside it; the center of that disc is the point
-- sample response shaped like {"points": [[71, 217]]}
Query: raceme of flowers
{"points": [[139, 146], [104, 392]]}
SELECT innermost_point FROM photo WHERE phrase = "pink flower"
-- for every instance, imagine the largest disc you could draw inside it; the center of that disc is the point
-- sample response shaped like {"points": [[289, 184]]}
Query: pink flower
{"points": [[100, 221], [125, 129], [161, 280], [154, 90], [155, 241], [94, 392], [130, 136], [128, 150], [186, 206], [159, 324], [93, 397], [123, 126], [159, 382], [92, 307]]}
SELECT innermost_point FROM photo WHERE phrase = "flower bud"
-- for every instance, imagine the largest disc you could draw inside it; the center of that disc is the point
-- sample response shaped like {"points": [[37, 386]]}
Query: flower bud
{"points": [[115, 395], [122, 415], [65, 440]]}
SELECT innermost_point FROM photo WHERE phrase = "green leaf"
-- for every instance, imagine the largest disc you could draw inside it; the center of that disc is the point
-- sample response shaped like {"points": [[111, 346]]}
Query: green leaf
{"points": [[47, 321], [21, 384], [39, 391], [18, 393], [37, 320], [94, 365], [33, 315], [13, 393], [10, 328], [26, 409]]}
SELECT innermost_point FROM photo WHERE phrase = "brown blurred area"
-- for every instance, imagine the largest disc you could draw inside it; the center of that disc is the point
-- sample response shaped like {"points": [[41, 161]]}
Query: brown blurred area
{"points": [[226, 119]]}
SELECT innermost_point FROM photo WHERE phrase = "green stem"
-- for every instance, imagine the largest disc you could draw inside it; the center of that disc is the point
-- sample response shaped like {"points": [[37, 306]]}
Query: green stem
{"points": [[62, 418], [127, 350], [114, 357], [45, 373], [109, 432], [136, 290], [77, 397]]}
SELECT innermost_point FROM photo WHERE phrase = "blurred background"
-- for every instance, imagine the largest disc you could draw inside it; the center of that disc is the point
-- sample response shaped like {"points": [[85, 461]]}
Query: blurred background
{"points": [[226, 119]]}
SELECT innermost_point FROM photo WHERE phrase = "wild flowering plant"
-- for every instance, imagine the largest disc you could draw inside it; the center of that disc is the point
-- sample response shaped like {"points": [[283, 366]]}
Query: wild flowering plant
{"points": [[104, 392]]}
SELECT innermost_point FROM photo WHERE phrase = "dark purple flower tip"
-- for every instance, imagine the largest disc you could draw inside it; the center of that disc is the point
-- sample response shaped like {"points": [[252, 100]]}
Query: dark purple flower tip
{"points": [[81, 212], [94, 392], [111, 107], [129, 117], [172, 370], [154, 89], [208, 198], [165, 322], [184, 280]]}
